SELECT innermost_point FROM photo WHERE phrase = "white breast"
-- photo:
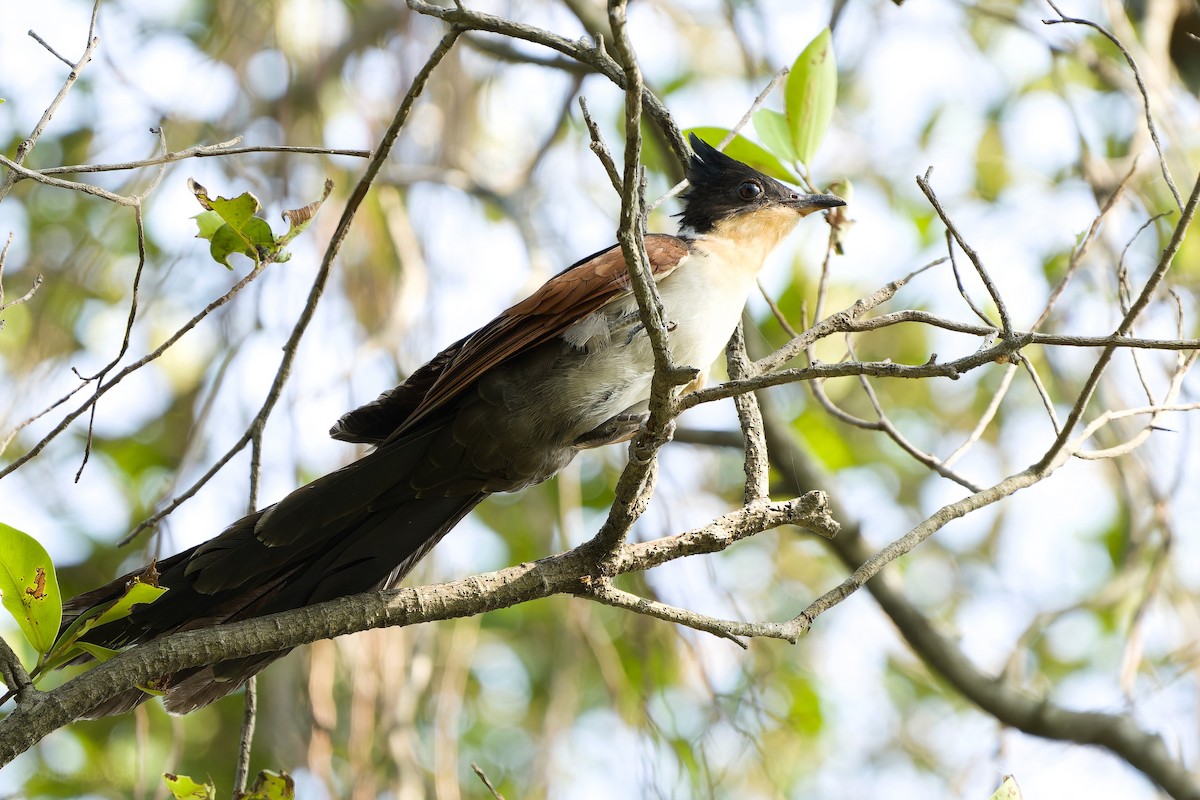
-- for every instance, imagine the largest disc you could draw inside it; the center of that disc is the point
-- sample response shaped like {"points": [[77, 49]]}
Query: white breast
{"points": [[703, 300], [702, 303]]}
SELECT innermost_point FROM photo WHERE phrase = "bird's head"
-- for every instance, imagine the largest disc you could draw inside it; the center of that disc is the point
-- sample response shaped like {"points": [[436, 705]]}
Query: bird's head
{"points": [[730, 199]]}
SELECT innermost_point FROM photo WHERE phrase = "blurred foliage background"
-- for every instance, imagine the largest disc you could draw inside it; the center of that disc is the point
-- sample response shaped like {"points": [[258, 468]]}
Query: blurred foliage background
{"points": [[1083, 588]]}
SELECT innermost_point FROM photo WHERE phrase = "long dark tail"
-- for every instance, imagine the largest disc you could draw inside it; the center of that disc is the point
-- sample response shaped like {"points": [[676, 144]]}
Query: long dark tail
{"points": [[362, 527]]}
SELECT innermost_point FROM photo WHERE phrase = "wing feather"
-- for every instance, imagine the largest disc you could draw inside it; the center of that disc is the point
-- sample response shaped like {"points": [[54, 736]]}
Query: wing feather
{"points": [[562, 301]]}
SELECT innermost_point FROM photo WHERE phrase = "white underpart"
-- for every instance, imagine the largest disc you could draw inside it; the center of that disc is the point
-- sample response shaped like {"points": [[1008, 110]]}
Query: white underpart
{"points": [[702, 302]]}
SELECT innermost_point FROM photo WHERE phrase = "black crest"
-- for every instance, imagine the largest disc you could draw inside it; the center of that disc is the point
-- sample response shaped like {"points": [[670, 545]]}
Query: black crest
{"points": [[723, 187]]}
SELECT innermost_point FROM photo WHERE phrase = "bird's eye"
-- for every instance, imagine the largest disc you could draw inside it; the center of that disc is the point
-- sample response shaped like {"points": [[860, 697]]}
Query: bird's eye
{"points": [[750, 190]]}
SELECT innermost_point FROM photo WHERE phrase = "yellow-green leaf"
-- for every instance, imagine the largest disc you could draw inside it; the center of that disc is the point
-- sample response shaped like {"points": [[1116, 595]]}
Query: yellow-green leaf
{"points": [[138, 593], [810, 95], [68, 646], [1008, 790], [184, 788], [97, 652], [30, 587], [272, 786], [747, 152]]}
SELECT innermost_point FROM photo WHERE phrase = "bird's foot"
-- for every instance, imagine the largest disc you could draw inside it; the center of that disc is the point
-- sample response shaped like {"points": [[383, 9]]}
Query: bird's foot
{"points": [[620, 428]]}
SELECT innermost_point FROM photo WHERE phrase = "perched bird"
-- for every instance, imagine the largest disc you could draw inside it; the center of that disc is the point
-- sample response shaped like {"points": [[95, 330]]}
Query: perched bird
{"points": [[566, 369]]}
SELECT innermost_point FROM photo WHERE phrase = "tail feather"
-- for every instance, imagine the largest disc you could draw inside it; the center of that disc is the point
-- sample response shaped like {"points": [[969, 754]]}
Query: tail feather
{"points": [[197, 688], [362, 527]]}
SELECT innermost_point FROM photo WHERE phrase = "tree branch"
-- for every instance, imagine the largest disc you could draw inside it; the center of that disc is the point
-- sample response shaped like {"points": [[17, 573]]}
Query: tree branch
{"points": [[561, 574], [592, 55], [1037, 716]]}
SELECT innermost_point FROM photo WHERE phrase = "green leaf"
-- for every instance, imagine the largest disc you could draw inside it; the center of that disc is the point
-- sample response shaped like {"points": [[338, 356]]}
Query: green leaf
{"points": [[272, 786], [30, 587], [226, 242], [747, 152], [240, 230], [1008, 790], [237, 211], [772, 128], [184, 788], [208, 222], [232, 226], [810, 95]]}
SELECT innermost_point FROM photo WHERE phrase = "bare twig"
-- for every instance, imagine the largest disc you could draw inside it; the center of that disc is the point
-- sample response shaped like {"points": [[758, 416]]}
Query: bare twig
{"points": [[502, 51], [25, 298], [25, 147], [1135, 310], [1047, 402], [985, 419], [600, 148], [884, 425], [809, 511], [221, 149], [776, 311], [602, 590], [1081, 249], [858, 325], [1001, 308], [1153, 411], [1137, 76], [483, 777], [107, 385], [17, 171], [98, 378], [53, 52], [761, 98], [250, 695], [958, 282], [12, 434], [249, 711]]}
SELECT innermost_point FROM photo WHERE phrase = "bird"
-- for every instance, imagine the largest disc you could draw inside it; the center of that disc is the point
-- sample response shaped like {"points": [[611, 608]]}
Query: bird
{"points": [[568, 368]]}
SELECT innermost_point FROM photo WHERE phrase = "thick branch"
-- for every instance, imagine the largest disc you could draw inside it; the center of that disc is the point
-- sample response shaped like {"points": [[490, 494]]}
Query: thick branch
{"points": [[48, 711]]}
